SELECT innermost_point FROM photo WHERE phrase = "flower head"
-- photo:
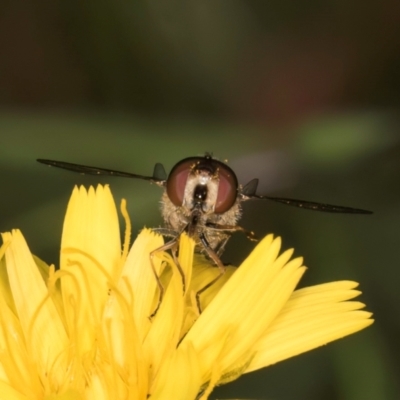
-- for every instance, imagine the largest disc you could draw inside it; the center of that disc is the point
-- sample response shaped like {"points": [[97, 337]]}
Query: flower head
{"points": [[83, 331]]}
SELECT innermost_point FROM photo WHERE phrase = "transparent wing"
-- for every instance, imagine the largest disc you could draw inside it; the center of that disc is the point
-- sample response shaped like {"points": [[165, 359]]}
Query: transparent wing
{"points": [[249, 192], [159, 176]]}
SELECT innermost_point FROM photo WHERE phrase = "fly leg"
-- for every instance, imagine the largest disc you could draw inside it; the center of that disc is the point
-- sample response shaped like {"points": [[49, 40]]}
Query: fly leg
{"points": [[213, 255], [173, 246], [232, 228], [166, 232], [221, 246]]}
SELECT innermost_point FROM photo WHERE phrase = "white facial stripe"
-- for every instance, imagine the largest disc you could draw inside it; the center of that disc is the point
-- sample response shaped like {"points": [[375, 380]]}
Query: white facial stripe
{"points": [[201, 178]]}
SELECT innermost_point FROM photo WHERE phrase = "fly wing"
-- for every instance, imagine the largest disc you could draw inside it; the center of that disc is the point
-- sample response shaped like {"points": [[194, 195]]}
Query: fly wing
{"points": [[159, 176], [311, 205], [249, 192]]}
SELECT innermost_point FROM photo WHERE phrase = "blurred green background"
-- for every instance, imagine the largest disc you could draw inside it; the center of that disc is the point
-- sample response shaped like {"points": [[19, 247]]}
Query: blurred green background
{"points": [[303, 95]]}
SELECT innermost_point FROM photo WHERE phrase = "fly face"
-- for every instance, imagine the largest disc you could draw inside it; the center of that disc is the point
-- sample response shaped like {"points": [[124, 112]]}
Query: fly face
{"points": [[203, 183], [201, 193]]}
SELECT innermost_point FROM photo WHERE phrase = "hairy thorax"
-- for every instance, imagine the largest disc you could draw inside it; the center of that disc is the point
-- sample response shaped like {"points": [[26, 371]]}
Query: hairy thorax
{"points": [[177, 218]]}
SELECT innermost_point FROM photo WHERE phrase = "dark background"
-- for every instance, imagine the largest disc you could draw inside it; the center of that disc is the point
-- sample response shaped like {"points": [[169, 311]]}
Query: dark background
{"points": [[303, 95]]}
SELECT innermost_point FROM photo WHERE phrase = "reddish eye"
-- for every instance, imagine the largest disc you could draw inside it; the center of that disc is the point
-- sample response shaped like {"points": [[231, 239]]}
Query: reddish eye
{"points": [[177, 178], [227, 189]]}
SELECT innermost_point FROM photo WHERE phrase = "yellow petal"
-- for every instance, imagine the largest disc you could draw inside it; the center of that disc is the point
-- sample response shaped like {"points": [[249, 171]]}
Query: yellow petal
{"points": [[10, 393], [246, 305], [138, 283], [97, 389], [311, 318], [90, 261], [123, 351], [203, 273], [68, 395], [5, 290], [180, 377], [17, 368], [165, 331], [121, 345], [44, 332]]}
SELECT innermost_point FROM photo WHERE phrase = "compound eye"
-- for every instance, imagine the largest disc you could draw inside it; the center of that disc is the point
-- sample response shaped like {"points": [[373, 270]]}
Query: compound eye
{"points": [[177, 179], [227, 189]]}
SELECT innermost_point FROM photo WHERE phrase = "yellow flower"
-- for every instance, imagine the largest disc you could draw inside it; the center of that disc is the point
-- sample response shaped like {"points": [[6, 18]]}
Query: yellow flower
{"points": [[83, 331]]}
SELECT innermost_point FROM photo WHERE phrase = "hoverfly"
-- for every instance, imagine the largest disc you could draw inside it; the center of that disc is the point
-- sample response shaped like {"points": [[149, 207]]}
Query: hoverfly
{"points": [[201, 197]]}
